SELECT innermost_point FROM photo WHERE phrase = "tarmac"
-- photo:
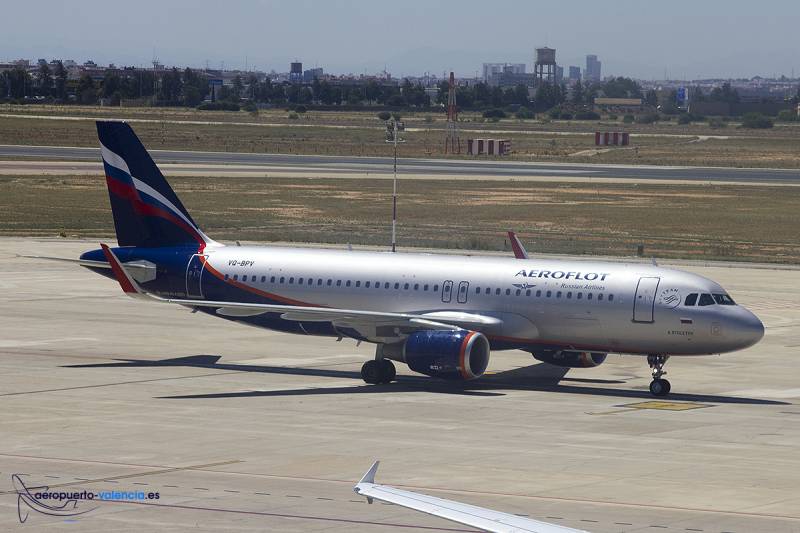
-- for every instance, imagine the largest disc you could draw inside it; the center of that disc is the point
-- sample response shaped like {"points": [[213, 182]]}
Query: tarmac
{"points": [[225, 163], [241, 429]]}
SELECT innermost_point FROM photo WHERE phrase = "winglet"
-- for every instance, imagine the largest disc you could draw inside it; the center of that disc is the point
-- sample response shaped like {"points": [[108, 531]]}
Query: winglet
{"points": [[128, 284], [519, 251], [369, 477]]}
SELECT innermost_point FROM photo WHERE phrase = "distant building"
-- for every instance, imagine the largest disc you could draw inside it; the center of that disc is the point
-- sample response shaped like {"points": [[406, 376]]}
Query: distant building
{"points": [[593, 66], [296, 72], [493, 70], [559, 74], [574, 74], [310, 74]]}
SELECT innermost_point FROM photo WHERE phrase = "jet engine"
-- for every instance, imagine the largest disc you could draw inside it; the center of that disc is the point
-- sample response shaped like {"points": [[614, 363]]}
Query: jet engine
{"points": [[455, 355], [571, 358]]}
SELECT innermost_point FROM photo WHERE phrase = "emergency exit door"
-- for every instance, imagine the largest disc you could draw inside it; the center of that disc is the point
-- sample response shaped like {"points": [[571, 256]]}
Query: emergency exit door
{"points": [[645, 300]]}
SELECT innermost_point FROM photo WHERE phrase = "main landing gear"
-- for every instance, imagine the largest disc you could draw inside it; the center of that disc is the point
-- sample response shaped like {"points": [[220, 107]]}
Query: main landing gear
{"points": [[659, 386], [377, 371]]}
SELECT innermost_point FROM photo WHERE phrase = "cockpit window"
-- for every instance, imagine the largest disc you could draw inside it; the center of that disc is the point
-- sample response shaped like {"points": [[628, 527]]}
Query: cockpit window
{"points": [[706, 299], [724, 299], [691, 300]]}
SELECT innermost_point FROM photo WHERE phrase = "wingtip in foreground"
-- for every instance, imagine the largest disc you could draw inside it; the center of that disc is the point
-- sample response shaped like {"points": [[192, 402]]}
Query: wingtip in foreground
{"points": [[462, 513]]}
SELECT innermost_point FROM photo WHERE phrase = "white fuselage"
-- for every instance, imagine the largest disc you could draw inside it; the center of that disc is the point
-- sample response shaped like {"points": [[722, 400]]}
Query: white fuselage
{"points": [[573, 304]]}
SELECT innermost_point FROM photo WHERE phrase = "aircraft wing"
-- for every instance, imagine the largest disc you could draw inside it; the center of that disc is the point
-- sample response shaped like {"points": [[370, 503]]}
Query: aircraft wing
{"points": [[470, 515]]}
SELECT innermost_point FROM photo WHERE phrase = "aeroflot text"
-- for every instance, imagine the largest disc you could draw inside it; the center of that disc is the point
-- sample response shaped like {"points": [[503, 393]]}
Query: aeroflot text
{"points": [[558, 274]]}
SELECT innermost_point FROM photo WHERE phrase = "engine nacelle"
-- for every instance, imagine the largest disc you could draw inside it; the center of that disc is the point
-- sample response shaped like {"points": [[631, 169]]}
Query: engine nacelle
{"points": [[456, 355], [571, 358]]}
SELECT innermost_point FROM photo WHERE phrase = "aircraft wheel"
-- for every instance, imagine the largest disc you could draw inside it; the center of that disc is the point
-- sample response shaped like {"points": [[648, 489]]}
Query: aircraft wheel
{"points": [[371, 372], [388, 371], [660, 387]]}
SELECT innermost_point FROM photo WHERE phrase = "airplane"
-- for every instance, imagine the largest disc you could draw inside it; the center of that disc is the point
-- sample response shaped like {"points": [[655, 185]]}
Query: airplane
{"points": [[462, 513], [441, 315]]}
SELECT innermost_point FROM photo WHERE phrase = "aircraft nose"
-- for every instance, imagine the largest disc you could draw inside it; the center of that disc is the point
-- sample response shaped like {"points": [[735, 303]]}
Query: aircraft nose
{"points": [[748, 328]]}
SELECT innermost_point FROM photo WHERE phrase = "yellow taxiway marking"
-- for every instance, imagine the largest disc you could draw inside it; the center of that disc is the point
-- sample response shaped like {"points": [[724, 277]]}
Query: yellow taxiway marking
{"points": [[667, 406]]}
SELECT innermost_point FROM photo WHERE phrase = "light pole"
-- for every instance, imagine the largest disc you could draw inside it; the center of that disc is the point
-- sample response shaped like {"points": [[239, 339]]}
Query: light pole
{"points": [[393, 127]]}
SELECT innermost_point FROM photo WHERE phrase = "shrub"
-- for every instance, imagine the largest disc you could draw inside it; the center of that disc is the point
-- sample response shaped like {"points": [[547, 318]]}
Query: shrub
{"points": [[612, 116], [685, 118], [300, 109], [218, 106], [396, 116], [647, 118], [494, 113], [787, 115], [293, 116], [554, 113], [565, 116], [384, 115], [251, 108], [587, 115], [628, 119], [756, 121], [524, 112], [428, 119], [717, 123]]}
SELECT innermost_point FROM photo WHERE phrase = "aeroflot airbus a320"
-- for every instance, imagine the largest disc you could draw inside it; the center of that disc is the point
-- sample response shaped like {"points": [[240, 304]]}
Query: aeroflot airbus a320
{"points": [[439, 314]]}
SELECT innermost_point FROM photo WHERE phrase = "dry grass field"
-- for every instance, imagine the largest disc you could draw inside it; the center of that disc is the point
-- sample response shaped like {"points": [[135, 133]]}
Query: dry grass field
{"points": [[362, 134], [749, 223]]}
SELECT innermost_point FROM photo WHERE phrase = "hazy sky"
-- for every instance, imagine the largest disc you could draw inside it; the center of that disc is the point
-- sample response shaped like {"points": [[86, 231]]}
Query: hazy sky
{"points": [[708, 38]]}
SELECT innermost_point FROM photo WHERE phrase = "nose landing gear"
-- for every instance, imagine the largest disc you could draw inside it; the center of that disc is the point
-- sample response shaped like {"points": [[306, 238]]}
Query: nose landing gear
{"points": [[659, 386]]}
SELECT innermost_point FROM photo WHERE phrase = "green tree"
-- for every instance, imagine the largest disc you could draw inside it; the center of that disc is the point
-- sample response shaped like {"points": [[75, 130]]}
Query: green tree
{"points": [[622, 88], [3, 85], [724, 94], [756, 121], [60, 81], [111, 83], [577, 93], [238, 85], [651, 98], [86, 91], [19, 82], [45, 80]]}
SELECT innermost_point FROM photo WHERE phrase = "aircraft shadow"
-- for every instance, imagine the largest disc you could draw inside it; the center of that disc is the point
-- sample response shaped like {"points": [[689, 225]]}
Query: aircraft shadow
{"points": [[536, 377]]}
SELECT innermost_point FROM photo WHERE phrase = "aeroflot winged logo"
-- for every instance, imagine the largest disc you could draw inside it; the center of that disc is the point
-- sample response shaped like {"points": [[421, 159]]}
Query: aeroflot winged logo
{"points": [[560, 274]]}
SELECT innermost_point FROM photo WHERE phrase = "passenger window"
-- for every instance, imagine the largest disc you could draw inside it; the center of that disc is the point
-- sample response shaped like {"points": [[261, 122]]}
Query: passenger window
{"points": [[558, 294], [338, 283], [263, 279], [538, 294], [272, 279], [226, 277], [291, 280], [347, 284], [600, 297], [580, 295], [518, 292], [299, 281], [425, 287], [330, 281], [436, 288], [610, 297], [236, 277], [283, 279], [319, 281], [396, 286], [477, 290], [366, 285], [244, 278], [528, 292], [488, 290], [497, 292], [569, 296], [691, 300], [549, 294], [405, 286], [589, 296], [706, 299], [416, 286], [358, 283]]}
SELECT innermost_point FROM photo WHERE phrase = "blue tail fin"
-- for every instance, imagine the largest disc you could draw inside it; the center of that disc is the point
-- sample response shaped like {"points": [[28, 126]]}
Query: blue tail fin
{"points": [[146, 210]]}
